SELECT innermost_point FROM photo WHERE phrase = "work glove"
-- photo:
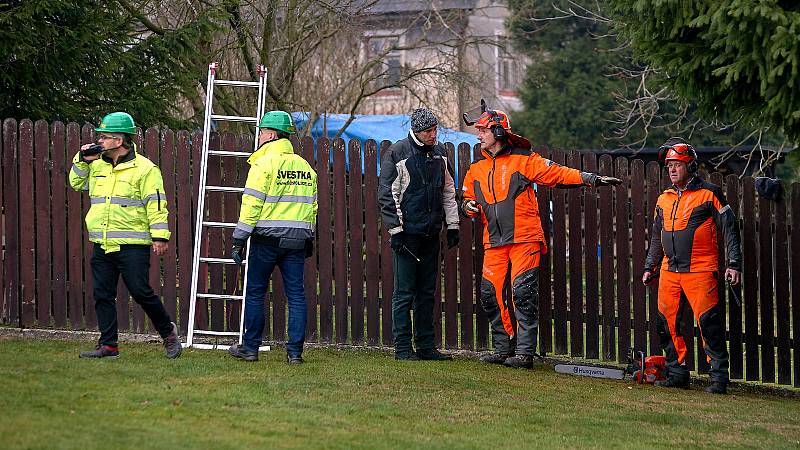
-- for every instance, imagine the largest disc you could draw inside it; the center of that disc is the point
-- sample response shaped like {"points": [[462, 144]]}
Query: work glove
{"points": [[452, 238], [237, 253], [398, 241], [603, 180], [471, 206]]}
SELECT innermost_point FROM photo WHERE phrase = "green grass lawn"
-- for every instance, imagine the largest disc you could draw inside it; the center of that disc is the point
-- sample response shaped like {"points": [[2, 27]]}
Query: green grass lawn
{"points": [[353, 399]]}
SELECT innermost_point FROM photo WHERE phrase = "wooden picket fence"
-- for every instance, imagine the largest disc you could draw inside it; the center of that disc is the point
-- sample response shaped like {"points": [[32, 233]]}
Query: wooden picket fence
{"points": [[592, 302]]}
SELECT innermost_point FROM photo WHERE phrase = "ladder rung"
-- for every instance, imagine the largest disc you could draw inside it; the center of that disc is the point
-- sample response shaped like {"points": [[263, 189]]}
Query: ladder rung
{"points": [[220, 260], [217, 333], [224, 189], [263, 348], [221, 296], [236, 83], [253, 120], [227, 153], [220, 224]]}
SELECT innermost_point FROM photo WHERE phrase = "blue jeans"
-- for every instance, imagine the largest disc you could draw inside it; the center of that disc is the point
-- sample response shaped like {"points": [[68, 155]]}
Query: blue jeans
{"points": [[261, 261]]}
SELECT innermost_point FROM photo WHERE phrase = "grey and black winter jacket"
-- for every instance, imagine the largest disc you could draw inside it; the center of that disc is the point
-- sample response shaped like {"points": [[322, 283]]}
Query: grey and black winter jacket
{"points": [[417, 191]]}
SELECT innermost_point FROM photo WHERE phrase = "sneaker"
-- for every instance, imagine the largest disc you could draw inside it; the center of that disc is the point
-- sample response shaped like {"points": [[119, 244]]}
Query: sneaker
{"points": [[519, 362], [406, 356], [717, 387], [172, 344], [294, 360], [238, 351], [101, 351], [673, 382], [494, 358], [433, 355]]}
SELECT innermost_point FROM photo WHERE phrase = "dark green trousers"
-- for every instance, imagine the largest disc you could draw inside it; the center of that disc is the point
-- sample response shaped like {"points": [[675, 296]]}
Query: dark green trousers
{"points": [[414, 287]]}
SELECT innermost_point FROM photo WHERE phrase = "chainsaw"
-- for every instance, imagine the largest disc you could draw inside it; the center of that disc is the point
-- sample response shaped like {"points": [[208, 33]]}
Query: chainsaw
{"points": [[641, 369]]}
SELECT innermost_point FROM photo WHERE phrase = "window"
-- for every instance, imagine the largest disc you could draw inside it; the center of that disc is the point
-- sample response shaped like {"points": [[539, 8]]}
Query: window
{"points": [[389, 71], [508, 75]]}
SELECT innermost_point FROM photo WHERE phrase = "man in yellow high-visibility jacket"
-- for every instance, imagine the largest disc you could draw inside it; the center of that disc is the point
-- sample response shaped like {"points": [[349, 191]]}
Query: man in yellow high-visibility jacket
{"points": [[279, 212], [128, 215]]}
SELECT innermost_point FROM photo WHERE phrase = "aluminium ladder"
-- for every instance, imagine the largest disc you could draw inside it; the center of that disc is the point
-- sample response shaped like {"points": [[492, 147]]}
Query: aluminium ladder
{"points": [[202, 225]]}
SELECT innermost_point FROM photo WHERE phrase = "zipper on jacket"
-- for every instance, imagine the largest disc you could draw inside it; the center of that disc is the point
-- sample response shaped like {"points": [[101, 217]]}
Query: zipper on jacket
{"points": [[494, 196], [672, 234], [158, 195]]}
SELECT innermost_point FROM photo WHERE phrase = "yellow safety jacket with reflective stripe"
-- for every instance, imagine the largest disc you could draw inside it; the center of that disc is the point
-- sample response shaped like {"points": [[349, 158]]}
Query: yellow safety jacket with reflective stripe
{"points": [[280, 195], [128, 203]]}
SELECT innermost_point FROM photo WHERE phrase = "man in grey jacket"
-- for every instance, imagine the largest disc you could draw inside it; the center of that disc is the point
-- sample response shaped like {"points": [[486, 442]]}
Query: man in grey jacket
{"points": [[416, 196]]}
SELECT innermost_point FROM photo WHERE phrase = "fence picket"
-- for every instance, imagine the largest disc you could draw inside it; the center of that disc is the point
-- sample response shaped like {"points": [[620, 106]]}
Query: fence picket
{"points": [[340, 231], [58, 218], [355, 221], [750, 272]]}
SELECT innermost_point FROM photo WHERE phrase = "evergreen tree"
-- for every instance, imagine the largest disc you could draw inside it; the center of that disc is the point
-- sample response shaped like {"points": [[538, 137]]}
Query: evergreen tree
{"points": [[736, 59], [80, 59]]}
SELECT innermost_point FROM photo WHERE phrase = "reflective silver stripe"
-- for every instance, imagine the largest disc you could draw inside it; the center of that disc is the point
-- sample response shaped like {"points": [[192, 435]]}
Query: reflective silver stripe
{"points": [[120, 235], [153, 198], [128, 234], [242, 230], [244, 227], [126, 201], [254, 193], [78, 171], [96, 200], [284, 223], [726, 208], [291, 198], [159, 226]]}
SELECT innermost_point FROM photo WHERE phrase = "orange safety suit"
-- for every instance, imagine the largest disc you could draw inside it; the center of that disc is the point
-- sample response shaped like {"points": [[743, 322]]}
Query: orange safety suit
{"points": [[502, 185], [683, 243]]}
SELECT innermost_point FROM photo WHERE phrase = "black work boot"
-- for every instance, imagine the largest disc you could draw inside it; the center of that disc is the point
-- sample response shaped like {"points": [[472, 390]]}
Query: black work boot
{"points": [[674, 382], [238, 351], [294, 360], [408, 355], [433, 355], [519, 362], [718, 387], [494, 358], [101, 351], [172, 343]]}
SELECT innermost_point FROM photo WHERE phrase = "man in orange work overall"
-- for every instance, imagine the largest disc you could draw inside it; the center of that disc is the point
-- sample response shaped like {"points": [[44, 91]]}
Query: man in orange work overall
{"points": [[689, 216], [499, 190]]}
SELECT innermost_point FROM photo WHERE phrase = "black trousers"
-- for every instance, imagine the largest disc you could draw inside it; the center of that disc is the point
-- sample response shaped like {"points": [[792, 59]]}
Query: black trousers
{"points": [[133, 263], [414, 287]]}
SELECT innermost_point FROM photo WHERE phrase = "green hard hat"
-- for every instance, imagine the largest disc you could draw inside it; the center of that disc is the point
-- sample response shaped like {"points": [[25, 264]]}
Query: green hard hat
{"points": [[278, 120], [117, 122]]}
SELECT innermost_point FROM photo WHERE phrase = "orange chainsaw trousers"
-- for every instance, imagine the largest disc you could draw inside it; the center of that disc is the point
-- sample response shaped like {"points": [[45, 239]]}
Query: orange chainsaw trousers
{"points": [[522, 260], [700, 289]]}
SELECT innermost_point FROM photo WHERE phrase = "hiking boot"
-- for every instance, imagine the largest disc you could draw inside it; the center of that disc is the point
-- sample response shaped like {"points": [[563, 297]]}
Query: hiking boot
{"points": [[519, 362], [717, 387], [101, 351], [494, 358], [294, 360], [673, 382], [238, 351], [406, 356], [172, 344], [433, 355]]}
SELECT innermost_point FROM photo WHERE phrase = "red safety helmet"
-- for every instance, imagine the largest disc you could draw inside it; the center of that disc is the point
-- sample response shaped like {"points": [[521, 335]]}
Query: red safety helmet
{"points": [[497, 121], [676, 149]]}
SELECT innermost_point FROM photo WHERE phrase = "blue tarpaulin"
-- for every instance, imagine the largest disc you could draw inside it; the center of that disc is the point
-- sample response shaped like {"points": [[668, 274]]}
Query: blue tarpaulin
{"points": [[377, 127]]}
